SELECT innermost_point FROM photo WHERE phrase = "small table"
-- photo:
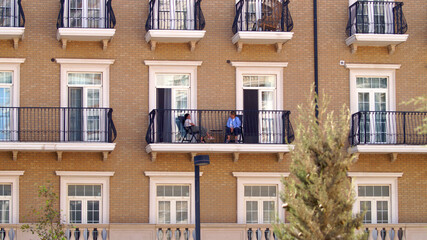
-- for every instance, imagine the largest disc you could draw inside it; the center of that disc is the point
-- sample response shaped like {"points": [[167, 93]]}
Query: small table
{"points": [[217, 134]]}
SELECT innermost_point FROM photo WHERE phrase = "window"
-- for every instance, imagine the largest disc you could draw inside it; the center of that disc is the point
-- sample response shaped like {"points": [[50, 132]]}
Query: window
{"points": [[84, 14], [261, 15], [174, 14], [257, 197], [84, 197], [85, 93], [260, 203], [9, 196], [375, 17], [376, 193], [84, 203], [173, 203], [172, 197], [9, 13], [9, 97]]}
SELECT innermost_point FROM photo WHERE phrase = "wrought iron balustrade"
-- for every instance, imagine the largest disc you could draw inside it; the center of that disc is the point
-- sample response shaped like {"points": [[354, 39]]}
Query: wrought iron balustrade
{"points": [[387, 127], [11, 14], [56, 124], [73, 16], [376, 17], [263, 126], [262, 15], [175, 15]]}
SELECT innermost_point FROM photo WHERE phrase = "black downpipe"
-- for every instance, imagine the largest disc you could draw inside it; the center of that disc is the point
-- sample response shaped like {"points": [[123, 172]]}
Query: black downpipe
{"points": [[316, 57]]}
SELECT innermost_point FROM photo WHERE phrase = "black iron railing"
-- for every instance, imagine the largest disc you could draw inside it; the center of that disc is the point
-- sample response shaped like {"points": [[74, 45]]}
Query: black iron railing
{"points": [[175, 15], [72, 15], [56, 124], [262, 15], [11, 14], [267, 126], [376, 17], [387, 128]]}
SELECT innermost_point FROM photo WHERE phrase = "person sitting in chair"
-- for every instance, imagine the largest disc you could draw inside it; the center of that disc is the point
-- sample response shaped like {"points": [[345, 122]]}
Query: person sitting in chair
{"points": [[234, 127], [196, 129]]}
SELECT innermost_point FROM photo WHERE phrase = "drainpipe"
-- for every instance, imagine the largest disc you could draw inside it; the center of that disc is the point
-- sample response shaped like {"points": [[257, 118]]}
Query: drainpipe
{"points": [[316, 57]]}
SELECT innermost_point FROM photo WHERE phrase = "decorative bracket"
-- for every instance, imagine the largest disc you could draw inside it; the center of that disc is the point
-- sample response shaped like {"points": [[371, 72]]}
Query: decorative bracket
{"points": [[153, 156], [391, 48], [192, 155], [239, 46], [279, 47], [15, 43], [356, 157], [15, 155], [236, 157], [64, 43], [192, 45], [153, 45], [393, 157], [105, 156], [105, 44], [280, 156], [59, 155], [353, 48]]}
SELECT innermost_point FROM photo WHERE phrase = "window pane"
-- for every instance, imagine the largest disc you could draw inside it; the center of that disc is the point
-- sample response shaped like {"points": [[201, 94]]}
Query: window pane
{"points": [[181, 212], [259, 81], [92, 211], [84, 190], [251, 212], [71, 190], [80, 190], [385, 191], [268, 212], [177, 191], [375, 83], [248, 191], [264, 191], [365, 206], [361, 190], [97, 190], [382, 211], [160, 191], [164, 212], [383, 82], [168, 191], [5, 77], [256, 191], [75, 211], [369, 191], [272, 192], [4, 211], [89, 190], [84, 78], [185, 191], [5, 190], [172, 80], [377, 191]]}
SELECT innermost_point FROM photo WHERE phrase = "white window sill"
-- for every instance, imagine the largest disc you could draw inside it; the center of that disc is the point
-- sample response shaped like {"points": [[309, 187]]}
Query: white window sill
{"points": [[261, 37], [103, 35], [376, 40], [12, 33], [235, 149], [59, 148], [174, 36]]}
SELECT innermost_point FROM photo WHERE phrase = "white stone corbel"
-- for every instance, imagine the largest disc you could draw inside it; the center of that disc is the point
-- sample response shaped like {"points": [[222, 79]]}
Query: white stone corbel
{"points": [[153, 156], [393, 157], [391, 48], [15, 155], [153, 45], [356, 157], [192, 45], [15, 43], [59, 155], [280, 156], [279, 47], [353, 48], [105, 156], [64, 43], [239, 46], [192, 155], [236, 156], [105, 44]]}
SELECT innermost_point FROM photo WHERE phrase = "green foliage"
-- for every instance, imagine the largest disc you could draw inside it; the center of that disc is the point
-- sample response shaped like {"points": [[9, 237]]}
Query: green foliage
{"points": [[421, 102], [48, 226], [318, 195]]}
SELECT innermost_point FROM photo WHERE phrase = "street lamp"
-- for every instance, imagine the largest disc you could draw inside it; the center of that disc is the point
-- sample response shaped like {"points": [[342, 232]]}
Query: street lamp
{"points": [[201, 160]]}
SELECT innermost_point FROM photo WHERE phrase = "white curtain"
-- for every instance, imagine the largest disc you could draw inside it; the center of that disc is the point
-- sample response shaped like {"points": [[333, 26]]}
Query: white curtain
{"points": [[388, 17], [371, 17]]}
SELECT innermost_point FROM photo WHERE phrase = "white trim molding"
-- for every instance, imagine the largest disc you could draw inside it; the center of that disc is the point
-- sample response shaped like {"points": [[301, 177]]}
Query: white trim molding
{"points": [[12, 60], [376, 40], [258, 178], [81, 177], [372, 66], [259, 64], [378, 178], [84, 61], [12, 33], [104, 35], [384, 149], [172, 67], [261, 37], [157, 178], [12, 177], [174, 36]]}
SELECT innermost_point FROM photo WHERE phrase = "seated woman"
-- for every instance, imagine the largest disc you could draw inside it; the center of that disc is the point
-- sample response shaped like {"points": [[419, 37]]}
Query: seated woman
{"points": [[234, 127], [196, 129]]}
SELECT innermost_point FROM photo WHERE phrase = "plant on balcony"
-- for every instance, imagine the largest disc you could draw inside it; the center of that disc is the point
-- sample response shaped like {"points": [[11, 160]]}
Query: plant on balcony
{"points": [[48, 225], [318, 195], [422, 103]]}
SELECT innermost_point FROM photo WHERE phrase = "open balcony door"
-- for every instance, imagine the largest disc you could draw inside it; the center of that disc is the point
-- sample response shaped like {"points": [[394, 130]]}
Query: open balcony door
{"points": [[374, 17]]}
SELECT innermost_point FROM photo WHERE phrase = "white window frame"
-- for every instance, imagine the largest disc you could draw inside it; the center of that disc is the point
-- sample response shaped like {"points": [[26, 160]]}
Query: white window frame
{"points": [[190, 15], [84, 13], [12, 177], [85, 178], [256, 179], [171, 67], [375, 179], [373, 70], [260, 201], [170, 178], [84, 200], [173, 201]]}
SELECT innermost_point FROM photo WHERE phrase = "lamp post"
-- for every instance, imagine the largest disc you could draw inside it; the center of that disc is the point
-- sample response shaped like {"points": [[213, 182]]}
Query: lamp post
{"points": [[201, 160]]}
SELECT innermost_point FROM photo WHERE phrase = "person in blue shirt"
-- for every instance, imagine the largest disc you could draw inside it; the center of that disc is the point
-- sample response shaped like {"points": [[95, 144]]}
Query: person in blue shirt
{"points": [[234, 126]]}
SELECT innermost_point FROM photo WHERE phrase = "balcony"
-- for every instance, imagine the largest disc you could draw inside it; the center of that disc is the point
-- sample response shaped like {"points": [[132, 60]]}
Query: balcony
{"points": [[262, 22], [174, 22], [12, 21], [84, 21], [376, 24], [387, 132], [264, 131], [57, 129]]}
